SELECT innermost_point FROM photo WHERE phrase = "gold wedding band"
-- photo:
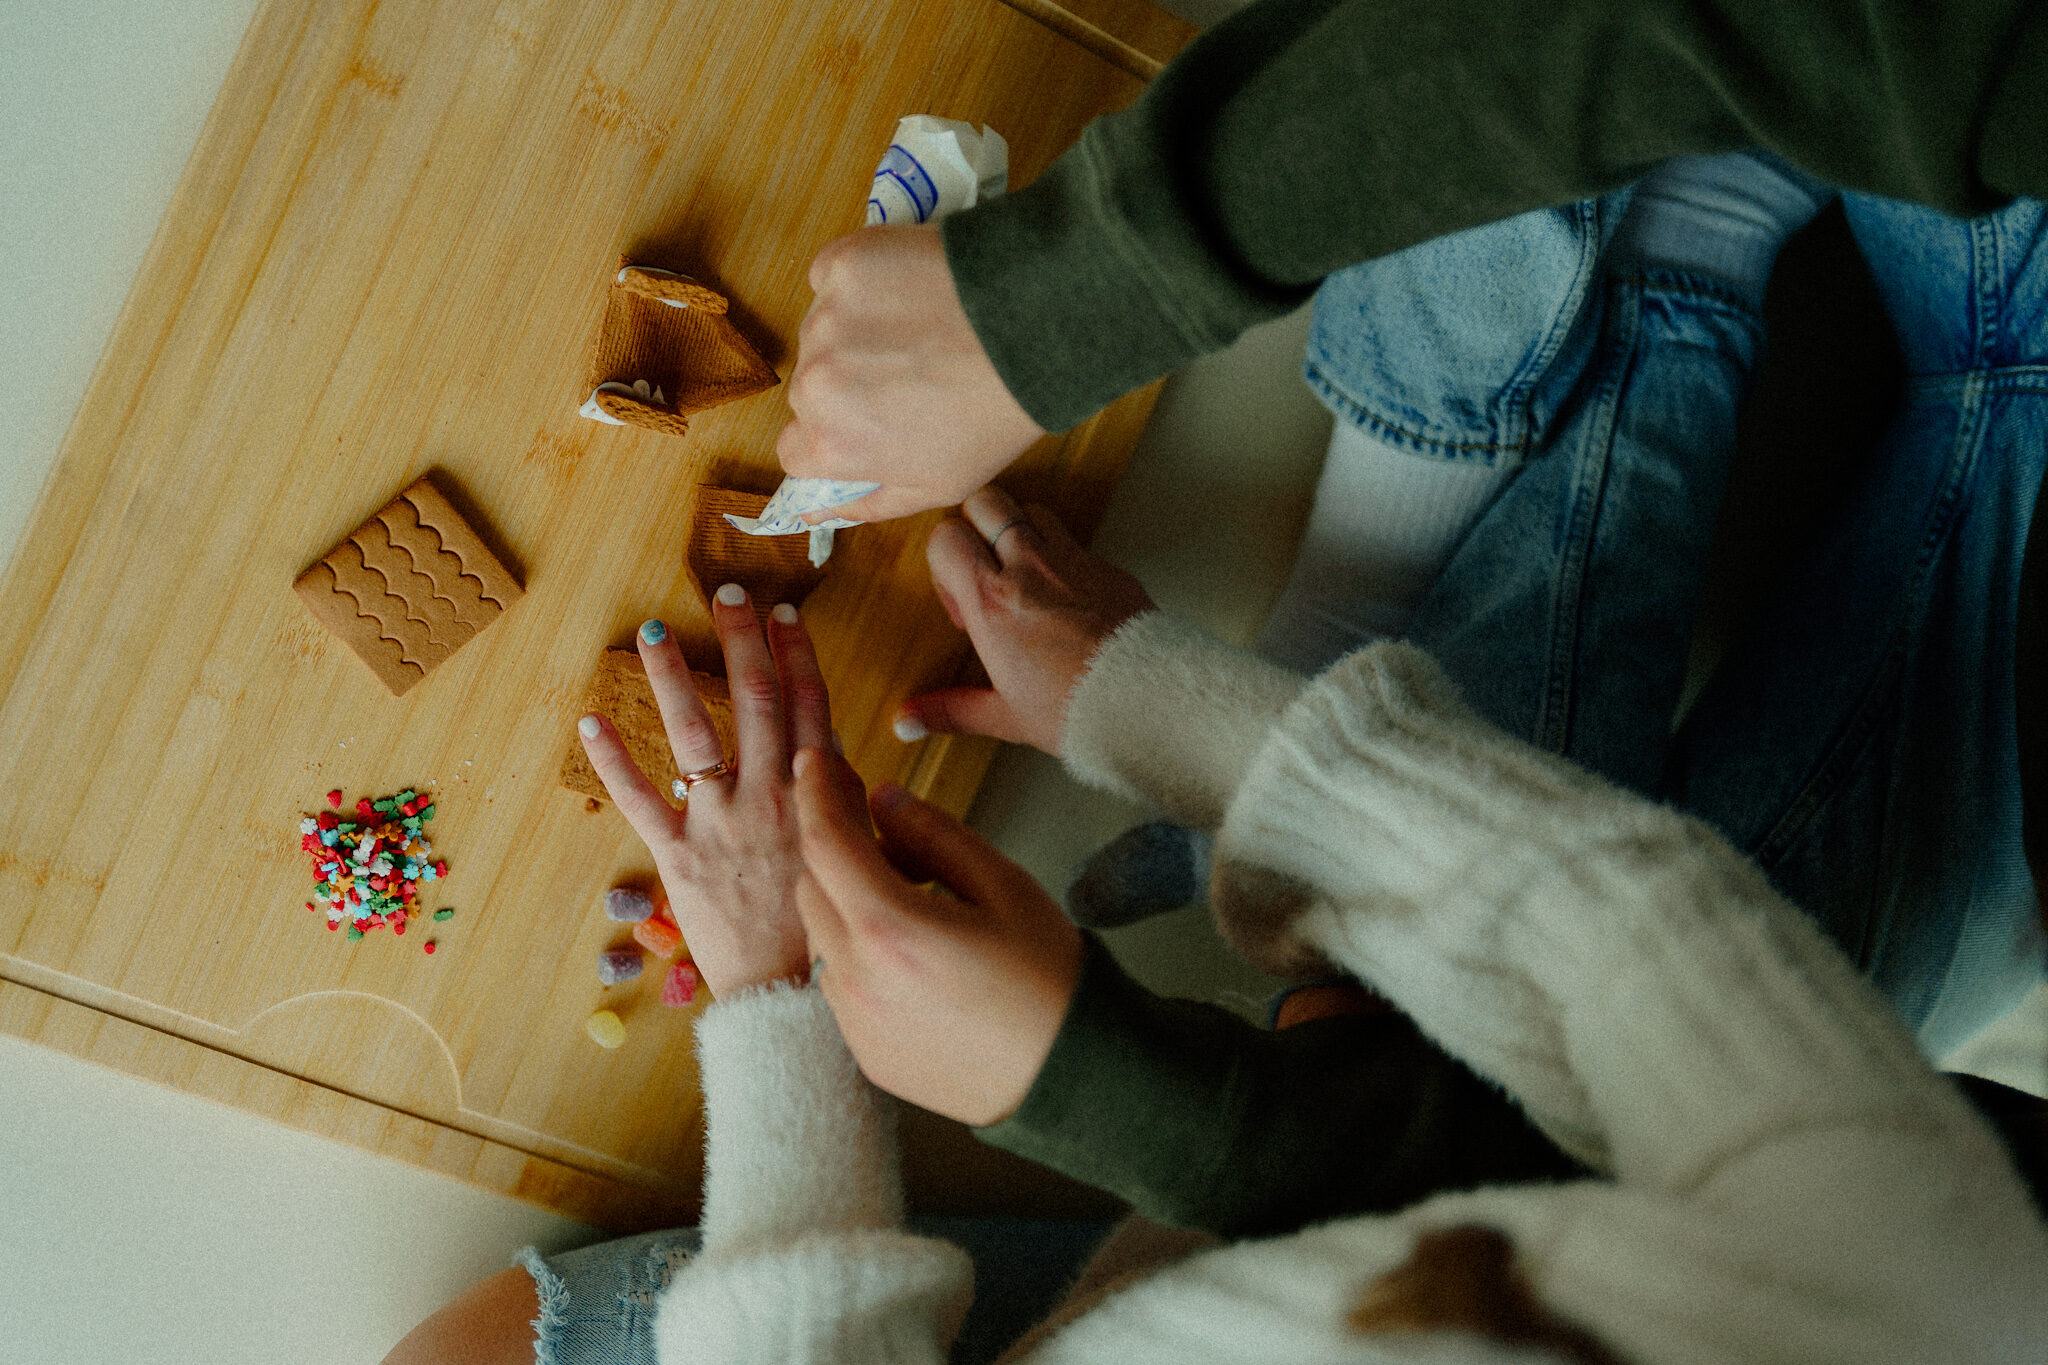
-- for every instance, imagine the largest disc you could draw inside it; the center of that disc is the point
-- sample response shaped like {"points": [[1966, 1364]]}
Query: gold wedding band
{"points": [[681, 786]]}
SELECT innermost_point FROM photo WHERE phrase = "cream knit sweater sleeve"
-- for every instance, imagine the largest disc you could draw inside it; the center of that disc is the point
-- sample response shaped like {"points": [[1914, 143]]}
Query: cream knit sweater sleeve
{"points": [[1650, 1000], [1170, 715], [1788, 1178], [804, 1257]]}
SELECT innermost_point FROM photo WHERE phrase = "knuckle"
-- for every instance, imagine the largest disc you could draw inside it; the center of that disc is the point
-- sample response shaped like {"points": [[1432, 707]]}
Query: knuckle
{"points": [[824, 263], [685, 865], [698, 735], [1029, 557], [1001, 592], [819, 328], [755, 686], [791, 445], [808, 691], [827, 378]]}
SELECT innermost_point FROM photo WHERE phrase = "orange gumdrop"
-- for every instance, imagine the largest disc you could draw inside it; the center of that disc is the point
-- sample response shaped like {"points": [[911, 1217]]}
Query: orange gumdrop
{"points": [[658, 934]]}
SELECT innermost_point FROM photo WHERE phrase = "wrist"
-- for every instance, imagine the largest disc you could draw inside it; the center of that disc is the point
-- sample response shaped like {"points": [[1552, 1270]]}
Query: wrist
{"points": [[1036, 1027]]}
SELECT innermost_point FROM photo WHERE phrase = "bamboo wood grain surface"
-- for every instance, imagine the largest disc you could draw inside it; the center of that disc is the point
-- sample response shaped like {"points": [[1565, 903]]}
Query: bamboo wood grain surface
{"points": [[387, 258]]}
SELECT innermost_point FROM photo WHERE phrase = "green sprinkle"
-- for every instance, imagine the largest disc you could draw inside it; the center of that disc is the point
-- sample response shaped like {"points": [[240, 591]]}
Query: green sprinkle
{"points": [[444, 913], [427, 814], [406, 795], [354, 932]]}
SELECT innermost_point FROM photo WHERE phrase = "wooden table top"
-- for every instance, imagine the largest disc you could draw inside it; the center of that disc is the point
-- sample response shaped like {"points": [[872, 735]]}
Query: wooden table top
{"points": [[387, 258]]}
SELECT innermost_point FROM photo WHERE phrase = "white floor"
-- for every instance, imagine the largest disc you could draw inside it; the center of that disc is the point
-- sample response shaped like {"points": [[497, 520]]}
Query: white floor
{"points": [[138, 1225]]}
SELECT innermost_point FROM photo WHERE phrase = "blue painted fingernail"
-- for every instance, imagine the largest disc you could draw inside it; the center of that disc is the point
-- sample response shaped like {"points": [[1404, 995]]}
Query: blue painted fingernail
{"points": [[653, 632]]}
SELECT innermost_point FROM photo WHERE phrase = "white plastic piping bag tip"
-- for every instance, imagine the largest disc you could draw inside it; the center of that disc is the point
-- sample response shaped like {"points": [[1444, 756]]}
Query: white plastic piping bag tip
{"points": [[784, 514]]}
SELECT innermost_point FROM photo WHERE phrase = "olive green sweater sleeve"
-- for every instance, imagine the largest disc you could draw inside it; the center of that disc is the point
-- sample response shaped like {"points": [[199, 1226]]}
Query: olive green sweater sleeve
{"points": [[1198, 1119], [1302, 136]]}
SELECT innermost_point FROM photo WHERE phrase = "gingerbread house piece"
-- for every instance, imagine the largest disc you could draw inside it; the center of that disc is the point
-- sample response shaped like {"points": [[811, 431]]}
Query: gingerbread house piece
{"points": [[667, 349], [408, 587], [620, 691], [771, 568]]}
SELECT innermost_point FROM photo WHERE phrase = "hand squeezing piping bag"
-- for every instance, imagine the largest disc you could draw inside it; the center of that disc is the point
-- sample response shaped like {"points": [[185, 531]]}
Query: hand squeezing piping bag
{"points": [[934, 166]]}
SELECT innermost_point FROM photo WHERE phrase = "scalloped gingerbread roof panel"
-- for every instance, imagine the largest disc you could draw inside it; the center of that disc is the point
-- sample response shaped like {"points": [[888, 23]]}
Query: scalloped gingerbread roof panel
{"points": [[408, 587]]}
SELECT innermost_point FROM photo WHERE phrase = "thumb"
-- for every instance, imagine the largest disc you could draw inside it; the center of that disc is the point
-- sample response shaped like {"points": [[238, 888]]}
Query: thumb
{"points": [[919, 835], [956, 711], [840, 855]]}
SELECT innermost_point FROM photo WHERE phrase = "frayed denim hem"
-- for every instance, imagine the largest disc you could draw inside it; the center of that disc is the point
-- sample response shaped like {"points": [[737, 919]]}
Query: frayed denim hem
{"points": [[554, 1302]]}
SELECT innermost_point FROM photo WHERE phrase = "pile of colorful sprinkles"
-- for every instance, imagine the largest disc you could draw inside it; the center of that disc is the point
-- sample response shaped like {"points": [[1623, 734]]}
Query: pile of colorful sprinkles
{"points": [[368, 870]]}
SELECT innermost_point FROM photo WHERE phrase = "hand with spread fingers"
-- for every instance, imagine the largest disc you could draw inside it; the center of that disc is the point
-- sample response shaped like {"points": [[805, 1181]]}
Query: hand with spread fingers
{"points": [[891, 385], [729, 858], [1036, 605], [948, 996]]}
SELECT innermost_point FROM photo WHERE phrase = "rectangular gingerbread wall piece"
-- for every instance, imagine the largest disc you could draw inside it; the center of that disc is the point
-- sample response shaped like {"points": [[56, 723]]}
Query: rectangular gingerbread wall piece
{"points": [[772, 569], [619, 690], [408, 587]]}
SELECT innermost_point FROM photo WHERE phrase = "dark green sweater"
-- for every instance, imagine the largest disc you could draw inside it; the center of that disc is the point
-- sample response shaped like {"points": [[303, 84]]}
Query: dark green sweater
{"points": [[1302, 136], [1200, 1120]]}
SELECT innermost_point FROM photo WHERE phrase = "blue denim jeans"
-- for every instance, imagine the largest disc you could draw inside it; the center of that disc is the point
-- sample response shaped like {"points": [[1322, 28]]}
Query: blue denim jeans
{"points": [[1859, 741], [598, 1303]]}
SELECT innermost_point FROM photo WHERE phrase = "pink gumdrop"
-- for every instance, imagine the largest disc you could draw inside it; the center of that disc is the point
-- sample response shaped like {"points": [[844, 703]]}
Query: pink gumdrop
{"points": [[680, 988]]}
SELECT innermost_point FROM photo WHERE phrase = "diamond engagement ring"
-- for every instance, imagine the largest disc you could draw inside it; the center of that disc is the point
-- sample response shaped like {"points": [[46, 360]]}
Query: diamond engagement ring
{"points": [[681, 786]]}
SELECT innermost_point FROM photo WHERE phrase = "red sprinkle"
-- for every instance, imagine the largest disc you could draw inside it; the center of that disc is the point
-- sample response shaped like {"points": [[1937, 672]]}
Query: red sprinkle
{"points": [[334, 798], [334, 924], [429, 948], [365, 809]]}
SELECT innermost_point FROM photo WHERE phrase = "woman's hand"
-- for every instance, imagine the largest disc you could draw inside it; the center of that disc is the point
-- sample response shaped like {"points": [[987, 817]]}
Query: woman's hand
{"points": [[949, 998], [729, 858], [1036, 605], [891, 384]]}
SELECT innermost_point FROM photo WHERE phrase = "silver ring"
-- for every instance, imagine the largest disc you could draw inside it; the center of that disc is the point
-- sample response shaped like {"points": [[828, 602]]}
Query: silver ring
{"points": [[680, 788], [1012, 522]]}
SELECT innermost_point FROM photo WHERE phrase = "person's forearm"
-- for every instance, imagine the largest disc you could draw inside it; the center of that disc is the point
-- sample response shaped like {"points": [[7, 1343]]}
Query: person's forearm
{"points": [[1200, 1120], [1301, 136], [804, 1258], [1557, 933], [1169, 715], [796, 1139]]}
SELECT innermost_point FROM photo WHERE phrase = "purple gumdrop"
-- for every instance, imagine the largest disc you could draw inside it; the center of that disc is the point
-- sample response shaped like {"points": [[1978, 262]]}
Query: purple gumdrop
{"points": [[618, 964], [624, 905]]}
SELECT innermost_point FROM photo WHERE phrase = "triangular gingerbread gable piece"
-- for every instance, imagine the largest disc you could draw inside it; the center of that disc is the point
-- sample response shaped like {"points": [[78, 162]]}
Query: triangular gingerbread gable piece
{"points": [[673, 333]]}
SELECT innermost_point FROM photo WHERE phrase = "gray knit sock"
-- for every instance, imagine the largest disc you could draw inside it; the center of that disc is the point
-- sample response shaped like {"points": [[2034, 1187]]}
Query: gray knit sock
{"points": [[1724, 216], [1147, 870]]}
